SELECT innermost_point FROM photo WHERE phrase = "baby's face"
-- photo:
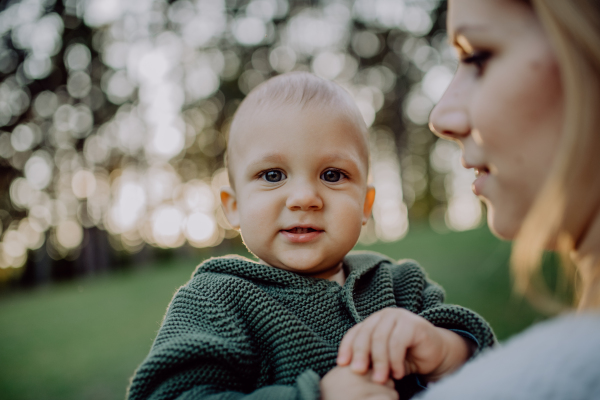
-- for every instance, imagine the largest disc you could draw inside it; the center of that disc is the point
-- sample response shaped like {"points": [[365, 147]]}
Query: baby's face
{"points": [[300, 193]]}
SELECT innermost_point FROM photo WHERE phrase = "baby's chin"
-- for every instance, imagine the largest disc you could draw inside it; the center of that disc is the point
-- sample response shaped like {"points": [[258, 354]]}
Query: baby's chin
{"points": [[305, 266]]}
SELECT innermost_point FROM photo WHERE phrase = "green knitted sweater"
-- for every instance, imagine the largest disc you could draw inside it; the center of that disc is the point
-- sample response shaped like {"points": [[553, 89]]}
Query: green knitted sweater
{"points": [[243, 330]]}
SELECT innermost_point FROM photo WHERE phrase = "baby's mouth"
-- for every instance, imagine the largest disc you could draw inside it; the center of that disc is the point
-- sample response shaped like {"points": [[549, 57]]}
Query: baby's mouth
{"points": [[301, 234], [299, 231]]}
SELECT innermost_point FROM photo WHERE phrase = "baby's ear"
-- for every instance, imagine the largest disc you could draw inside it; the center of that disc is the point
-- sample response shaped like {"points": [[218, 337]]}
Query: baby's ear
{"points": [[369, 200], [229, 203]]}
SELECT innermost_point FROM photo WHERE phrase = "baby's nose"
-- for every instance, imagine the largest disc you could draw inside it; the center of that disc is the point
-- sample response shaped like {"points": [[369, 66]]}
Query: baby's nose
{"points": [[304, 197]]}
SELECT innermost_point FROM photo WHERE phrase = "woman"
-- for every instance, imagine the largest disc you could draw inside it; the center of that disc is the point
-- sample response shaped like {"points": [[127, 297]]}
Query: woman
{"points": [[524, 106]]}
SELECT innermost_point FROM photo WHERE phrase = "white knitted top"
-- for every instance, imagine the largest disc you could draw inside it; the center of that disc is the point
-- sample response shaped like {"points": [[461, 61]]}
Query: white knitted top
{"points": [[556, 359]]}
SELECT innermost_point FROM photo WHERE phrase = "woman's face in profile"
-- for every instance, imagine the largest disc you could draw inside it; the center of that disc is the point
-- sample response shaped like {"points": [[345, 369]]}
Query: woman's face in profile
{"points": [[504, 106]]}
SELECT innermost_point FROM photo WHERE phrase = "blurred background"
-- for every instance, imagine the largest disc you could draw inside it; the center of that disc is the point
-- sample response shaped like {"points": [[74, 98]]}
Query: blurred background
{"points": [[113, 119]]}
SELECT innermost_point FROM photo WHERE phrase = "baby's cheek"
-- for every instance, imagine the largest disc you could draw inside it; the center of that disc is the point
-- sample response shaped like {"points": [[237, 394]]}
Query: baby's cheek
{"points": [[348, 220], [256, 242], [256, 223]]}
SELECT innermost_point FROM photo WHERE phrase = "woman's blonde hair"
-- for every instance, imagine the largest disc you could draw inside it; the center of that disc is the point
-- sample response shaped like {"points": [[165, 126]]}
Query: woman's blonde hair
{"points": [[570, 198]]}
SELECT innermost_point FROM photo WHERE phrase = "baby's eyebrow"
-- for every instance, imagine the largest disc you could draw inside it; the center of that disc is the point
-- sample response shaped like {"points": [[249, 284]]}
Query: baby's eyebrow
{"points": [[278, 158], [267, 158], [337, 157]]}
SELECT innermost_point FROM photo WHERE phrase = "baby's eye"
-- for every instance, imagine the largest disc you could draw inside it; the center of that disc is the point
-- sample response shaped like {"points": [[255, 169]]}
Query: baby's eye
{"points": [[274, 175], [332, 175]]}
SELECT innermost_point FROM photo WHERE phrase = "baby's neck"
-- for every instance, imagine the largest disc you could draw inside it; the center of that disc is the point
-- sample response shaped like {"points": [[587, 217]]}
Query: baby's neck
{"points": [[335, 274], [338, 276]]}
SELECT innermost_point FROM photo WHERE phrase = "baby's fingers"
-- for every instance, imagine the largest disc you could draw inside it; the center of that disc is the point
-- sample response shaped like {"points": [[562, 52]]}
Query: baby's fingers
{"points": [[345, 351], [361, 344], [400, 340], [380, 351]]}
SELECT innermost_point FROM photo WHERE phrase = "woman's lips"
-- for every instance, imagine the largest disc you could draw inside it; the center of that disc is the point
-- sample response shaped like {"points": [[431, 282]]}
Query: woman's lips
{"points": [[482, 173], [301, 235]]}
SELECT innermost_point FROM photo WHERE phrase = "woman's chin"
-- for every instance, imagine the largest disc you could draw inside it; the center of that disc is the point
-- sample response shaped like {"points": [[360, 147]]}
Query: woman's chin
{"points": [[502, 227]]}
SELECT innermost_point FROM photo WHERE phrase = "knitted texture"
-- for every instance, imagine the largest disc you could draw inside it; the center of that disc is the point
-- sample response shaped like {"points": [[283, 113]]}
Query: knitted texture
{"points": [[239, 329]]}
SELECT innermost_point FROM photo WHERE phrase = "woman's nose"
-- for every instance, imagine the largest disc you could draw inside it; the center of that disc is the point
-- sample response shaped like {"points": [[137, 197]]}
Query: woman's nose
{"points": [[449, 119], [304, 197]]}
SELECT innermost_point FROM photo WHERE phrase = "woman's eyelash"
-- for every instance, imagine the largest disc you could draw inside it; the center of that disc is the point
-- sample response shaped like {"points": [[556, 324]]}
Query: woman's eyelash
{"points": [[477, 58]]}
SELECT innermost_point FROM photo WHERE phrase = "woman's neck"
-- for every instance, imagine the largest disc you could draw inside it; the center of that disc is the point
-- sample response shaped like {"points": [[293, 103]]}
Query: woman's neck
{"points": [[587, 259]]}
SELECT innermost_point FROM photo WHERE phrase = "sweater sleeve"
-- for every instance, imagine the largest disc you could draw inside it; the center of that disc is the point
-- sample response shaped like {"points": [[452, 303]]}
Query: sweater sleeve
{"points": [[414, 292], [203, 352], [417, 294]]}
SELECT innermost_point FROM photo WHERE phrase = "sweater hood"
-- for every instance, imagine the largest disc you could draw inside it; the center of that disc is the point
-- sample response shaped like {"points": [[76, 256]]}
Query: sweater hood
{"points": [[357, 264], [365, 281]]}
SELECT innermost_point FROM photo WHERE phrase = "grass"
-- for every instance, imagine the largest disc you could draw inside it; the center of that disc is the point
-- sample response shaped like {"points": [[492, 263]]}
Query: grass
{"points": [[84, 339]]}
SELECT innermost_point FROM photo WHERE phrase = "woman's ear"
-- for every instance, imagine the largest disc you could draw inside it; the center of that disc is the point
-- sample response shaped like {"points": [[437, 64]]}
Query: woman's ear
{"points": [[369, 200], [229, 203]]}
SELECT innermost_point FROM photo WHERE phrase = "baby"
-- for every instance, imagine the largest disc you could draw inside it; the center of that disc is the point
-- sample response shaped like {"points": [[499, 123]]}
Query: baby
{"points": [[298, 169]]}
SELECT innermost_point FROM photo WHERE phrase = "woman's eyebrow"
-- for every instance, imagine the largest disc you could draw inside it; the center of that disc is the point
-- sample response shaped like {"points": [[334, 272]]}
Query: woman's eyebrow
{"points": [[458, 38], [466, 28]]}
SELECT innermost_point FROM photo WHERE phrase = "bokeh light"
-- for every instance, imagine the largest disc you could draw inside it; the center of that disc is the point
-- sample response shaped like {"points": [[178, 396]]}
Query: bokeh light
{"points": [[463, 210], [167, 225], [389, 211], [69, 234]]}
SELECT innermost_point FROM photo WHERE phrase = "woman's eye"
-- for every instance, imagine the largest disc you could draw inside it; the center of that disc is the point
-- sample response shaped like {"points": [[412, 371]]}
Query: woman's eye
{"points": [[274, 176], [478, 59], [332, 175]]}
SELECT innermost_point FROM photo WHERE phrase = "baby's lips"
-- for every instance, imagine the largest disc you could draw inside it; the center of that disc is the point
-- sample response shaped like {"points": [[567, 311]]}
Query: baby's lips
{"points": [[300, 227], [303, 236]]}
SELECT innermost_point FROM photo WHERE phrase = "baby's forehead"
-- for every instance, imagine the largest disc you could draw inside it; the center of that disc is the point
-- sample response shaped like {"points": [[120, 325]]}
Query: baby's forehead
{"points": [[294, 94], [282, 133], [259, 111], [258, 115], [299, 91]]}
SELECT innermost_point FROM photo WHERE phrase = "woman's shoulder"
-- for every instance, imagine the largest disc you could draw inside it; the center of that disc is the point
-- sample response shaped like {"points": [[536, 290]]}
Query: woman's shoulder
{"points": [[556, 359]]}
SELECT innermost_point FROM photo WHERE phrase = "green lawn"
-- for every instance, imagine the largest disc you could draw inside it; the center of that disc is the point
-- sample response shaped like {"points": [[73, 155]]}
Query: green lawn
{"points": [[83, 340]]}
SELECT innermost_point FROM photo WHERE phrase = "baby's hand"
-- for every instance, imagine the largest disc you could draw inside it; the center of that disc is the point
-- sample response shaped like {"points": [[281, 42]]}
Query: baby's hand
{"points": [[404, 343], [343, 384]]}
